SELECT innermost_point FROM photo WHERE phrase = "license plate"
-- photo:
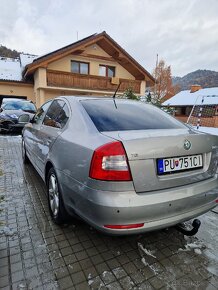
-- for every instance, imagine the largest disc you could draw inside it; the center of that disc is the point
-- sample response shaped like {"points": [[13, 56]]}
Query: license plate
{"points": [[175, 164]]}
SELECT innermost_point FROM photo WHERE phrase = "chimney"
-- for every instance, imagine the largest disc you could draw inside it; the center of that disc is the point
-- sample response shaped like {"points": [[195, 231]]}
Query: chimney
{"points": [[195, 88]]}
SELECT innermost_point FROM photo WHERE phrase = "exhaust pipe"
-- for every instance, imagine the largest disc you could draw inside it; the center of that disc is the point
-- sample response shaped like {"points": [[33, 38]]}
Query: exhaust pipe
{"points": [[182, 228]]}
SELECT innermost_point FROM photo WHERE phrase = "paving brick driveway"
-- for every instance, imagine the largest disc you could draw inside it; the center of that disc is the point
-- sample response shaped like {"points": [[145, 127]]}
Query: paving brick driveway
{"points": [[37, 254]]}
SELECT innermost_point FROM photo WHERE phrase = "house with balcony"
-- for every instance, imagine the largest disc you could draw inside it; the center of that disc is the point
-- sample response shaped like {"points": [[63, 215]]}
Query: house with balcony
{"points": [[94, 65]]}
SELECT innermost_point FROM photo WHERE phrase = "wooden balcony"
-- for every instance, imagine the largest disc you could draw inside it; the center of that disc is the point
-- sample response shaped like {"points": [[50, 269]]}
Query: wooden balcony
{"points": [[88, 82]]}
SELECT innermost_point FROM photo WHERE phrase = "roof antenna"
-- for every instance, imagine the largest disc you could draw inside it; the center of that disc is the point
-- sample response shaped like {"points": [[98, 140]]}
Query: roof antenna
{"points": [[115, 95], [116, 90]]}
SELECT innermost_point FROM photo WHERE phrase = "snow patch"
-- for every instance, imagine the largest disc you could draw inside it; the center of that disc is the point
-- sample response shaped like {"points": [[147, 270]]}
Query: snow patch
{"points": [[147, 252], [196, 246], [152, 267], [144, 262], [7, 232], [118, 271], [105, 273], [22, 286], [198, 251], [42, 246], [189, 99], [96, 280], [90, 282], [10, 69]]}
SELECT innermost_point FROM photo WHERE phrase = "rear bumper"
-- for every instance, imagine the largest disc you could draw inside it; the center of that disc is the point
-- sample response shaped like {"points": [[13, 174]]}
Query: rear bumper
{"points": [[156, 210]]}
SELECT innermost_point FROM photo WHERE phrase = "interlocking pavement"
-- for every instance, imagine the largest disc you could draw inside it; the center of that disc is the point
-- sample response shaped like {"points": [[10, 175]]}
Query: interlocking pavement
{"points": [[37, 254]]}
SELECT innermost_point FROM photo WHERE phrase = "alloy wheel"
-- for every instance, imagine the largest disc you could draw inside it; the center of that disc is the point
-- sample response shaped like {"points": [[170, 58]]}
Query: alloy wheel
{"points": [[53, 195]]}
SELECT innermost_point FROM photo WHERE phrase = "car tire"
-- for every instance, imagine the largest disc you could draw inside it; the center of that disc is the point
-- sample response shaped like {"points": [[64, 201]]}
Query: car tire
{"points": [[55, 200], [24, 155]]}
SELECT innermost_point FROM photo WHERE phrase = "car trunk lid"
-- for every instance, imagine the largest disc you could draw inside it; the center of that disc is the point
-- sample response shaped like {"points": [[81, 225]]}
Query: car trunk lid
{"points": [[145, 147]]}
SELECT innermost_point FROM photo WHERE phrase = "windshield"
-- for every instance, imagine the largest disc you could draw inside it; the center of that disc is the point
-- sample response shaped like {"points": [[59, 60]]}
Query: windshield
{"points": [[128, 115], [19, 105]]}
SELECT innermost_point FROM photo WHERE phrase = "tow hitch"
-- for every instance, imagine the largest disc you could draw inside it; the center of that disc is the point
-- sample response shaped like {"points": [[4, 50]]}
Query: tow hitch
{"points": [[187, 232]]}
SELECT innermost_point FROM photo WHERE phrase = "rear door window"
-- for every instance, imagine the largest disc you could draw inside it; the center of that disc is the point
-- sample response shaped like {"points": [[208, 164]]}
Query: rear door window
{"points": [[40, 114], [122, 115], [57, 114]]}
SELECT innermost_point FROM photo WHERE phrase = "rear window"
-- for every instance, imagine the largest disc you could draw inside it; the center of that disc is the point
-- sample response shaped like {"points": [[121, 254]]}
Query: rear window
{"points": [[123, 115]]}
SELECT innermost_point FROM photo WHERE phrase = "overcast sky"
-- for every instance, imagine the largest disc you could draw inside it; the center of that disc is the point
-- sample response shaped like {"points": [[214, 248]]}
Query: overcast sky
{"points": [[183, 32]]}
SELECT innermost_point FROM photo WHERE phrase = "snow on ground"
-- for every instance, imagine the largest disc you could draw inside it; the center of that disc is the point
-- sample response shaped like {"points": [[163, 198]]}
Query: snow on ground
{"points": [[147, 252], [196, 246], [7, 232]]}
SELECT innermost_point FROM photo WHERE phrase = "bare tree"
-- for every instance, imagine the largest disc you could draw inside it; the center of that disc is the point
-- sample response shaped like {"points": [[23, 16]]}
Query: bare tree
{"points": [[164, 88]]}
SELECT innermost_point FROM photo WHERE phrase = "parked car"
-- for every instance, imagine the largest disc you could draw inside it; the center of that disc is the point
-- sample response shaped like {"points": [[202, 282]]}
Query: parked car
{"points": [[14, 113], [123, 166]]}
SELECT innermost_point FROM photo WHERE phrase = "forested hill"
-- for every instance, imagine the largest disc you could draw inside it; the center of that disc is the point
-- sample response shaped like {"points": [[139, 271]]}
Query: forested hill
{"points": [[205, 78], [7, 52]]}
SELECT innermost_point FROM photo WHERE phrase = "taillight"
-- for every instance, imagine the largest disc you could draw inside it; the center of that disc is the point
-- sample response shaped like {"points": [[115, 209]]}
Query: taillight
{"points": [[216, 201], [109, 162]]}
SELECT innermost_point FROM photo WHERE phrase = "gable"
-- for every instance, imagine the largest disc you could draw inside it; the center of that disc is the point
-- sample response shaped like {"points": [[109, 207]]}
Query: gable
{"points": [[108, 47], [95, 49], [94, 56]]}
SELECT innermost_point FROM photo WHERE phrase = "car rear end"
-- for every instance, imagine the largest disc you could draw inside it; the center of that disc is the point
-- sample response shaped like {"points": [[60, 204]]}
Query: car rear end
{"points": [[152, 173]]}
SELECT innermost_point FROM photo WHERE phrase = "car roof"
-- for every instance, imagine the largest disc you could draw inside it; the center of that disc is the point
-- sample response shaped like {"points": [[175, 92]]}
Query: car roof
{"points": [[14, 99], [84, 98], [79, 98]]}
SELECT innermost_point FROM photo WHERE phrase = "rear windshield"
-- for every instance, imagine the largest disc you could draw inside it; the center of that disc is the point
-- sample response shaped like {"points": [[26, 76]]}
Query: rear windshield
{"points": [[127, 115]]}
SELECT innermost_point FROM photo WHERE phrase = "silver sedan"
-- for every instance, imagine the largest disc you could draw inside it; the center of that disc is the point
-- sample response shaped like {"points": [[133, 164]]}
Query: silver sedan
{"points": [[122, 166]]}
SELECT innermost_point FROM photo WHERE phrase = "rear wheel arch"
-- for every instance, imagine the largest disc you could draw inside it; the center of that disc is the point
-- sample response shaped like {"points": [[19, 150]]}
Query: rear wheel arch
{"points": [[48, 166], [55, 198]]}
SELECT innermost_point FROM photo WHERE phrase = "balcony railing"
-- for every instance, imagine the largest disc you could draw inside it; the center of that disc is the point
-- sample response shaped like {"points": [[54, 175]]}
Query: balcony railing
{"points": [[88, 82]]}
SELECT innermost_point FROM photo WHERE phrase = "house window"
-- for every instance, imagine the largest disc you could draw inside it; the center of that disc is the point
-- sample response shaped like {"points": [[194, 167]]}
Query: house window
{"points": [[79, 67], [106, 71]]}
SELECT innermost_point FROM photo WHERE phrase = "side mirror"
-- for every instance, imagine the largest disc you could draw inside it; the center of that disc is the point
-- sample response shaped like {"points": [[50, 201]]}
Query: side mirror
{"points": [[24, 119], [1, 110]]}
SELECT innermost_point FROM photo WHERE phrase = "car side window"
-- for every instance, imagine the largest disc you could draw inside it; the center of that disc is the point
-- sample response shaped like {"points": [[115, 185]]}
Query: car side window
{"points": [[40, 114], [57, 115], [64, 115]]}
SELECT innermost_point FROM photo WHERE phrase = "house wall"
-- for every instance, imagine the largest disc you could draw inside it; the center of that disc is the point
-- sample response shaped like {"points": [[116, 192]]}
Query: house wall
{"points": [[43, 93], [64, 64], [39, 84], [17, 89]]}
